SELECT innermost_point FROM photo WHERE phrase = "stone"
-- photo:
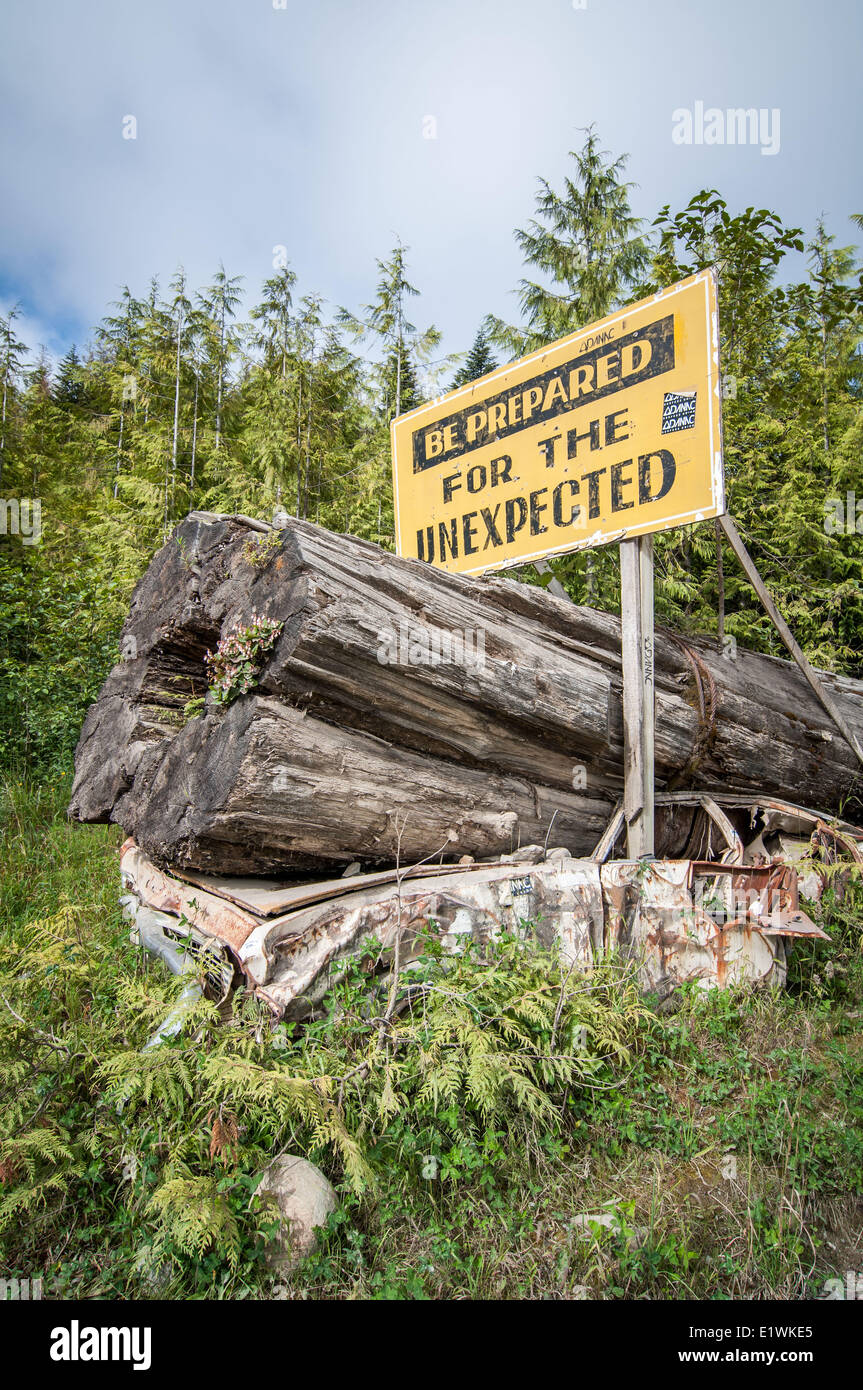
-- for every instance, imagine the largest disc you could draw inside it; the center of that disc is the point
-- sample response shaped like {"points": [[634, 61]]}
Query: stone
{"points": [[304, 1199], [529, 854], [558, 855]]}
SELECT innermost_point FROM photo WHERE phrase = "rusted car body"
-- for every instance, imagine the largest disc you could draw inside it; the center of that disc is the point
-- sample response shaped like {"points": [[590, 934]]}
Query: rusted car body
{"points": [[709, 921]]}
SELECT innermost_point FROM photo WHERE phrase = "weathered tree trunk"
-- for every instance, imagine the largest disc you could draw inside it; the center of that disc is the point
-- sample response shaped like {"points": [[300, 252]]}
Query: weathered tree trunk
{"points": [[348, 749]]}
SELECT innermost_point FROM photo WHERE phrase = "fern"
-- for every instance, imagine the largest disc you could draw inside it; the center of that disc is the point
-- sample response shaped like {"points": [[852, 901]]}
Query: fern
{"points": [[42, 1163], [179, 1133], [196, 1217], [274, 1095]]}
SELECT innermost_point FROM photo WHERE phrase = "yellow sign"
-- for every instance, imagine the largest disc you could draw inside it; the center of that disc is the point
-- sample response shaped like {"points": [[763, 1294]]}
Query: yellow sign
{"points": [[610, 433]]}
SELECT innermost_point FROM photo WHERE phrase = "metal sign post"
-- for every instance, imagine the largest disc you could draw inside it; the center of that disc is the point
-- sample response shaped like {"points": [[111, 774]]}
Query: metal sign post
{"points": [[636, 616]]}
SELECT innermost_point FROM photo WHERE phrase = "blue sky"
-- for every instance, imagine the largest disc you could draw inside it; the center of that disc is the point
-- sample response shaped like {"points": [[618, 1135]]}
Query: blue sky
{"points": [[305, 126]]}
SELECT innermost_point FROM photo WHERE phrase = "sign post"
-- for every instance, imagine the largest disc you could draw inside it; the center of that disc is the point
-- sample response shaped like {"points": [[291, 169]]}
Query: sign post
{"points": [[636, 614], [607, 436]]}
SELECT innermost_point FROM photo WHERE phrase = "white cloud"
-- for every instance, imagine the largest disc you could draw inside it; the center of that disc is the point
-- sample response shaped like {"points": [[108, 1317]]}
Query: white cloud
{"points": [[304, 127]]}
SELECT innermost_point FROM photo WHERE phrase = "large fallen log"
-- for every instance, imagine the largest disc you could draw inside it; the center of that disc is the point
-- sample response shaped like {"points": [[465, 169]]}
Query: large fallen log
{"points": [[358, 744]]}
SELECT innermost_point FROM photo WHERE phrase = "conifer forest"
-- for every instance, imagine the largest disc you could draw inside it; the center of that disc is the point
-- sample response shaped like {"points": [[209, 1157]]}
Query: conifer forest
{"points": [[199, 557]]}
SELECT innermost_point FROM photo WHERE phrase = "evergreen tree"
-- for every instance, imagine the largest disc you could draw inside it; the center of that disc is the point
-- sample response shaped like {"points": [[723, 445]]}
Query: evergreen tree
{"points": [[69, 386], [788, 356], [273, 317], [479, 361], [219, 305], [404, 347], [125, 440], [11, 356], [836, 308], [587, 241], [400, 381], [181, 314]]}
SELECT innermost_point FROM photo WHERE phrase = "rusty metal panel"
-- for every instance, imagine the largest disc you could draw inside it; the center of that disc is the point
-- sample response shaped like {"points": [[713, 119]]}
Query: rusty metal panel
{"points": [[653, 919], [763, 896], [209, 913], [679, 920], [562, 899]]}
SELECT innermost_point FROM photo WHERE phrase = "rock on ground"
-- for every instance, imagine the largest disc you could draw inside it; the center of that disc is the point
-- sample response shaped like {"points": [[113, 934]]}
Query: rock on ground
{"points": [[304, 1199]]}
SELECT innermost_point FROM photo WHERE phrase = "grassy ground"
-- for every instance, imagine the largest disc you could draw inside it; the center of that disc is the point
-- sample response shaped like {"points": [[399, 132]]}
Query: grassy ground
{"points": [[725, 1140]]}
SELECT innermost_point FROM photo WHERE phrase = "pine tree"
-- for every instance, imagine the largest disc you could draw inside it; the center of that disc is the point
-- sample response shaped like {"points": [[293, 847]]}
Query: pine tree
{"points": [[274, 395], [219, 303], [181, 311], [309, 326], [273, 314], [479, 361], [587, 241], [69, 387], [401, 384], [404, 347], [11, 356], [836, 307]]}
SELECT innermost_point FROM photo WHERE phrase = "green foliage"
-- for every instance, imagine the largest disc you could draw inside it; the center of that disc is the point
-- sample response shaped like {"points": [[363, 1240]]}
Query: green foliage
{"points": [[792, 429], [464, 1130], [487, 1039], [790, 360], [587, 242], [403, 346], [180, 404], [233, 668], [501, 1095], [94, 1124], [479, 361], [258, 551]]}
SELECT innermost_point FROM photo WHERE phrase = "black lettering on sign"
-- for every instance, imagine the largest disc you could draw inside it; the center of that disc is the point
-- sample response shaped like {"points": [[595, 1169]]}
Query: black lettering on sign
{"points": [[490, 518], [587, 377], [598, 492], [645, 476], [678, 411], [513, 525]]}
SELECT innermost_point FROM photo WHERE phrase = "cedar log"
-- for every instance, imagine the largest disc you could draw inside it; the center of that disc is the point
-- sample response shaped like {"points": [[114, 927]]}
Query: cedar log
{"points": [[337, 756]]}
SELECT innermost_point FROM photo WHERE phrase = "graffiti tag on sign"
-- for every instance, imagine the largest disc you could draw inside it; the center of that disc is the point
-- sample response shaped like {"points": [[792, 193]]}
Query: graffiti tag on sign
{"points": [[678, 411]]}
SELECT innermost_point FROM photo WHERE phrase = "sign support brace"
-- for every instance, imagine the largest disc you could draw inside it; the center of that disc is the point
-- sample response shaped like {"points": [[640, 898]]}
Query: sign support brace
{"points": [[818, 687]]}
